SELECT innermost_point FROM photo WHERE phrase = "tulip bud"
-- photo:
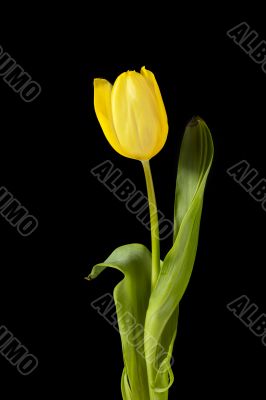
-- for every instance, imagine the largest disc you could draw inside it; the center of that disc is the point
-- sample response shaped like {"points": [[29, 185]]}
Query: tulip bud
{"points": [[132, 114]]}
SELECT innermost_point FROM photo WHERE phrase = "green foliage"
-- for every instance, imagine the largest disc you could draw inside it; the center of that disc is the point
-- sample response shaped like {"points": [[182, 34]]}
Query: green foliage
{"points": [[148, 341]]}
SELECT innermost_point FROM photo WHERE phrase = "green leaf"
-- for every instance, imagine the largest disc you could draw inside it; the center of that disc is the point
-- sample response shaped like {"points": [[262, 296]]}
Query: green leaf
{"points": [[194, 164], [131, 297]]}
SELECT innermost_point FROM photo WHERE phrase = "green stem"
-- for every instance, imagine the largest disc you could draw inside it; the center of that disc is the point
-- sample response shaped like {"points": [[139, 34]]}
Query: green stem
{"points": [[155, 241]]}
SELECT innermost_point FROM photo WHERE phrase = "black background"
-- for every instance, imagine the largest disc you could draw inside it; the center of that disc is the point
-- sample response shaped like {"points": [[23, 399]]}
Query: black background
{"points": [[47, 150]]}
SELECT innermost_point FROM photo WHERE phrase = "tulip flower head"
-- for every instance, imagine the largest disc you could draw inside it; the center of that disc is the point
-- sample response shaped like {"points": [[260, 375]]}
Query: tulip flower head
{"points": [[132, 114]]}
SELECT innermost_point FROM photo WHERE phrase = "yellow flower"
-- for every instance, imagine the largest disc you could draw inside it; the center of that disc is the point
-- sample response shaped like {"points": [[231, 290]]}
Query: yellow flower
{"points": [[132, 114]]}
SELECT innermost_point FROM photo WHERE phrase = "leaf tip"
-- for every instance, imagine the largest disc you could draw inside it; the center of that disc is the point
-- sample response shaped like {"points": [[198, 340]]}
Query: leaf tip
{"points": [[195, 120]]}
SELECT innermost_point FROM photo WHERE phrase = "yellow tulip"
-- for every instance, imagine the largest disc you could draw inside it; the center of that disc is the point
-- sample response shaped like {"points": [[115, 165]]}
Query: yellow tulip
{"points": [[132, 114]]}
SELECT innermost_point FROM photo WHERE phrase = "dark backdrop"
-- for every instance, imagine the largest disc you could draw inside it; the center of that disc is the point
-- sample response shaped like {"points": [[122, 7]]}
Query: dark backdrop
{"points": [[47, 149]]}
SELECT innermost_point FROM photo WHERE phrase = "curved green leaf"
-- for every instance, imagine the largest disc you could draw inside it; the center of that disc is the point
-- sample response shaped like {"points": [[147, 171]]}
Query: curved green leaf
{"points": [[131, 297], [194, 164]]}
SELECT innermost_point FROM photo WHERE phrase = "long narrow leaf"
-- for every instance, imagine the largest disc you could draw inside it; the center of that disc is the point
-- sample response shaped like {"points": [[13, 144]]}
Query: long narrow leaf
{"points": [[194, 164]]}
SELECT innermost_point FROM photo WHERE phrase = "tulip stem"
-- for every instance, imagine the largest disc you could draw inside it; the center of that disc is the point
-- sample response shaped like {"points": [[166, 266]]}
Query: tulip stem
{"points": [[155, 241]]}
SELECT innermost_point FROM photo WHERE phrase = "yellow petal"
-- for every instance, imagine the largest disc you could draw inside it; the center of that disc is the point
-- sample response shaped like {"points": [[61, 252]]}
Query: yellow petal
{"points": [[102, 105], [150, 78], [135, 115]]}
